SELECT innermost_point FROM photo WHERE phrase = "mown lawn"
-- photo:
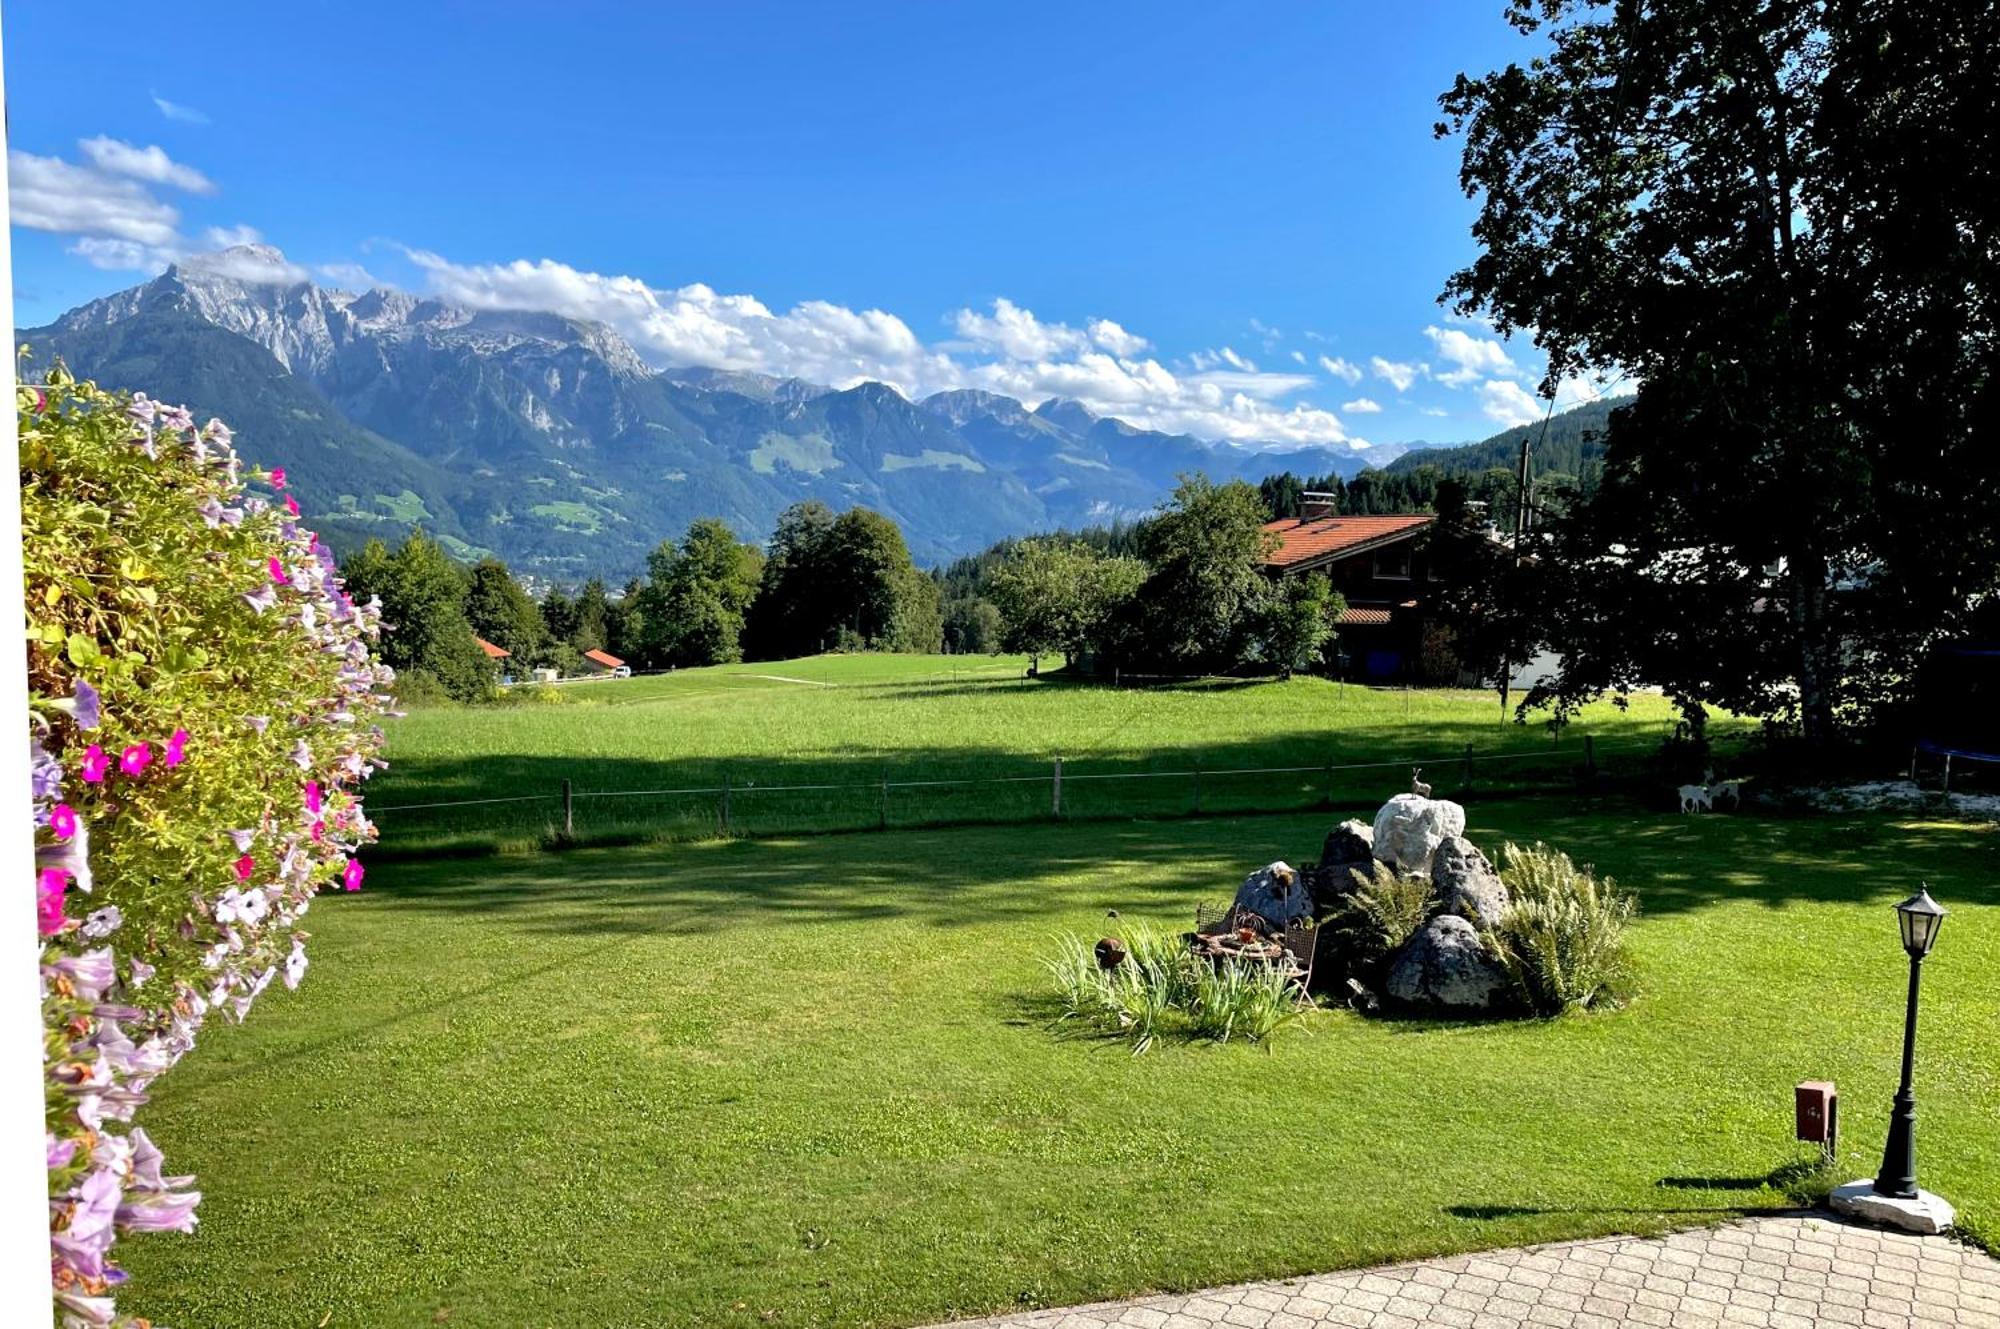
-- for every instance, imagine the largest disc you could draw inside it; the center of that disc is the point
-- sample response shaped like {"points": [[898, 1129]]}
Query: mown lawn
{"points": [[841, 725], [809, 1081]]}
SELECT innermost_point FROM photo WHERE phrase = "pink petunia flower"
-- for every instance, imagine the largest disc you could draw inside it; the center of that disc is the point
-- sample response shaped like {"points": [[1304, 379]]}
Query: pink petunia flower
{"points": [[62, 820], [177, 747], [277, 477], [312, 797], [95, 764], [278, 573], [50, 884], [319, 830], [352, 876], [291, 505], [135, 759], [244, 867]]}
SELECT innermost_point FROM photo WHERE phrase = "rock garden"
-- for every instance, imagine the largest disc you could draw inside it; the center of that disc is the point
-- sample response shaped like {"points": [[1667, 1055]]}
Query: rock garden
{"points": [[1401, 916]]}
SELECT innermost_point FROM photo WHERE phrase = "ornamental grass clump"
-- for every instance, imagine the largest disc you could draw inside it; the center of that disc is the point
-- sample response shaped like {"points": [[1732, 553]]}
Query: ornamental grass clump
{"points": [[1160, 987], [202, 698], [1373, 919], [1562, 939]]}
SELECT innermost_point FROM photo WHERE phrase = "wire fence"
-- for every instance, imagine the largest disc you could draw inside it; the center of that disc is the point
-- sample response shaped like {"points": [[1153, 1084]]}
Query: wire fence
{"points": [[739, 804]]}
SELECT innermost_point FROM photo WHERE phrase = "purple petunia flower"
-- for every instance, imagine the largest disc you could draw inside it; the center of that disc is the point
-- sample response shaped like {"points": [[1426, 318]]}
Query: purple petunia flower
{"points": [[264, 597], [102, 922], [258, 722], [89, 711]]}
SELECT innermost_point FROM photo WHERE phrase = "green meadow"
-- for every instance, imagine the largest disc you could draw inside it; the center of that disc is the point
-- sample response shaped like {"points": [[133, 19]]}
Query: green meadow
{"points": [[813, 1081], [808, 745]]}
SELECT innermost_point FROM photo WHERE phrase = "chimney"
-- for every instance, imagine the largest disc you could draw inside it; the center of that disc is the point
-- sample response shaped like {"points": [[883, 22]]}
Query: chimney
{"points": [[1313, 506]]}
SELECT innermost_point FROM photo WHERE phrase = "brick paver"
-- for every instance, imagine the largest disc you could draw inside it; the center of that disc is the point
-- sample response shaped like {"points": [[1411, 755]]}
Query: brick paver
{"points": [[1783, 1272]]}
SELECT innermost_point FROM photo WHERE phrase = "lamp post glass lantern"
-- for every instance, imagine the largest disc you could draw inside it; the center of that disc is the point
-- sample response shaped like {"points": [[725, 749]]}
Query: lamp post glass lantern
{"points": [[1918, 918]]}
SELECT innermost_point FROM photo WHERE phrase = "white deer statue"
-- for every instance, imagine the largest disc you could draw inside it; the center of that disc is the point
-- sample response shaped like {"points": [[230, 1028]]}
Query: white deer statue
{"points": [[1417, 785], [1694, 798]]}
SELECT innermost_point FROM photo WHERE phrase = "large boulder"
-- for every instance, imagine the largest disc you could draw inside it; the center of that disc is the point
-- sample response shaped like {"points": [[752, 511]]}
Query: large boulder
{"points": [[1466, 883], [1410, 827], [1349, 848], [1446, 967], [1276, 893]]}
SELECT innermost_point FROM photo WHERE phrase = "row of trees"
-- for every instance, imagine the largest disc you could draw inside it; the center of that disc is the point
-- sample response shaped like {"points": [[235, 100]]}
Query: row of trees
{"points": [[1181, 592], [830, 582]]}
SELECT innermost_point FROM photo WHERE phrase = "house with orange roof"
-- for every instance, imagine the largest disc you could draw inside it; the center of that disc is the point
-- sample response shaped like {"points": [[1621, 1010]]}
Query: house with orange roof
{"points": [[1378, 564], [605, 664]]}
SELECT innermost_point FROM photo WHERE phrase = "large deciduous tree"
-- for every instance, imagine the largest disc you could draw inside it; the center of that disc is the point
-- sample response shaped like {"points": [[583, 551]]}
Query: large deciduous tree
{"points": [[423, 613], [1055, 595], [692, 605], [843, 581], [1779, 216], [1201, 603], [500, 611]]}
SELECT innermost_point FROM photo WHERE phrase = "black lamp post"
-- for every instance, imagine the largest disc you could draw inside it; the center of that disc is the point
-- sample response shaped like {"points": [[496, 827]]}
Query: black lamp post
{"points": [[1919, 917]]}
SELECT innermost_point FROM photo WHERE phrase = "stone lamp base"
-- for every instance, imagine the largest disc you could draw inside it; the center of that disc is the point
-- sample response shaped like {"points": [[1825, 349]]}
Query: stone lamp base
{"points": [[1924, 1213]]}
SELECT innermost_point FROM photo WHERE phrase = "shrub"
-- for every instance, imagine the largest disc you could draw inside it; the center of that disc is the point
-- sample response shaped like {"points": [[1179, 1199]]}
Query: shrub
{"points": [[201, 694], [1162, 987], [1376, 916], [1562, 939]]}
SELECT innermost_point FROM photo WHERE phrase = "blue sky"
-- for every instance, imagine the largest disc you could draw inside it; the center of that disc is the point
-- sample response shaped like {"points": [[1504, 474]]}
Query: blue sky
{"points": [[1229, 218]]}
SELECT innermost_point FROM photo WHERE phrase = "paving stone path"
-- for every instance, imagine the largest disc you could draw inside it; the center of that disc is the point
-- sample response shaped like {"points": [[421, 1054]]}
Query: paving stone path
{"points": [[1783, 1272]]}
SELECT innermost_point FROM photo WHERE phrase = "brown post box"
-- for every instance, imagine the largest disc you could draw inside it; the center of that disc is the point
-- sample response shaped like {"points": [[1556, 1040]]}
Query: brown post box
{"points": [[1816, 1105]]}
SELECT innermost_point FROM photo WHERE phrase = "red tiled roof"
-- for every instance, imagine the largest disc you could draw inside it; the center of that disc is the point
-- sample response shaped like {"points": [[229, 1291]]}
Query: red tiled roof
{"points": [[492, 651], [600, 657], [1311, 541]]}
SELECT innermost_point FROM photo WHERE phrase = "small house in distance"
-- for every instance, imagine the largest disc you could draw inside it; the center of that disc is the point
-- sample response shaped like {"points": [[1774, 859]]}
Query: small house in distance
{"points": [[1378, 564], [498, 655], [603, 664]]}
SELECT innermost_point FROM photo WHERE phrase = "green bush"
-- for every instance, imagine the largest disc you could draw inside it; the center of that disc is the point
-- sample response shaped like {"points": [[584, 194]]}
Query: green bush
{"points": [[1562, 939], [1375, 916]]}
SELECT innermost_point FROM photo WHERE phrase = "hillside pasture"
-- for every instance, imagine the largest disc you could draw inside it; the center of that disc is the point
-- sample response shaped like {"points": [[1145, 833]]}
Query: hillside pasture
{"points": [[807, 745]]}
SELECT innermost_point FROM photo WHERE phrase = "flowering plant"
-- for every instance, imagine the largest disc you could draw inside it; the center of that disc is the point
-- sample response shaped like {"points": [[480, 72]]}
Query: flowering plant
{"points": [[201, 705]]}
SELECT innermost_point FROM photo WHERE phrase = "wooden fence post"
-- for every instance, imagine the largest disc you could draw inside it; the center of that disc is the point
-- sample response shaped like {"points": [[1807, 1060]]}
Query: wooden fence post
{"points": [[725, 802], [1055, 791], [569, 821]]}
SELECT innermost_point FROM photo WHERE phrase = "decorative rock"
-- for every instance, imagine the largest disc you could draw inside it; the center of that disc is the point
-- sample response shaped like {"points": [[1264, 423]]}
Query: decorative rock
{"points": [[1409, 828], [1275, 893], [1350, 844], [1445, 965], [1466, 883], [1349, 847], [1924, 1212]]}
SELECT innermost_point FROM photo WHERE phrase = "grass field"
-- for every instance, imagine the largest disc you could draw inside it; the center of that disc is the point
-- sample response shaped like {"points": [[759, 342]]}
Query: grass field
{"points": [[810, 1081], [941, 729]]}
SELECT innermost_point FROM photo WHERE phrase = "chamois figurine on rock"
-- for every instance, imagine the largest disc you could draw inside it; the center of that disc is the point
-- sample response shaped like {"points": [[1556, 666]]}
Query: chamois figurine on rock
{"points": [[1417, 785]]}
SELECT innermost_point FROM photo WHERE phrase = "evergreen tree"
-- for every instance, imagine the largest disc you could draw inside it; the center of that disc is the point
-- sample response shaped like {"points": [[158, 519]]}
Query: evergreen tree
{"points": [[504, 614]]}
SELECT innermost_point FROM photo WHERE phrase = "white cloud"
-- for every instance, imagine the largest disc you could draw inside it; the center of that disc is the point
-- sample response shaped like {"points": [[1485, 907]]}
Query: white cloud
{"points": [[1016, 332], [151, 164], [1116, 339], [50, 194], [121, 255], [1299, 356], [228, 237], [175, 111], [1474, 358], [348, 276], [1398, 374], [249, 263], [1341, 369], [1008, 351], [1508, 403], [1437, 411], [1361, 406]]}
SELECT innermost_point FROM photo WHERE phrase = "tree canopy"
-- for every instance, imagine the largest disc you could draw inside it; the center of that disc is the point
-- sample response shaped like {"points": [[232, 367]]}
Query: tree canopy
{"points": [[1778, 216]]}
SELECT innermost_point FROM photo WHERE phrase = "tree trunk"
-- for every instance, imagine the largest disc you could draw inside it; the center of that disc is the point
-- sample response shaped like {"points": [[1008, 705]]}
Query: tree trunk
{"points": [[1809, 625]]}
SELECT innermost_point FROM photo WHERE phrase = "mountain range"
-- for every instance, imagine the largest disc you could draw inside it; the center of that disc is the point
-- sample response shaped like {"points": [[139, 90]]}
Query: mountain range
{"points": [[550, 442]]}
